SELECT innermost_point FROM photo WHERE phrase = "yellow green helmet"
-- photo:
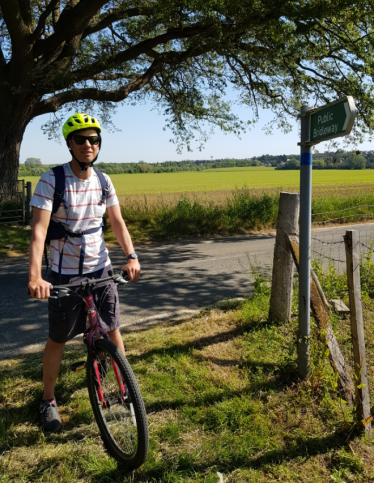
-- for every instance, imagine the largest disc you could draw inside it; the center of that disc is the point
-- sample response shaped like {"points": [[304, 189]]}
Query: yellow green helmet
{"points": [[80, 121]]}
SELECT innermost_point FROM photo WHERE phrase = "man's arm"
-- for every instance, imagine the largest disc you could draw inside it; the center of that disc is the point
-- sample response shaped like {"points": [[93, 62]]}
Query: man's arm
{"points": [[39, 288], [123, 237]]}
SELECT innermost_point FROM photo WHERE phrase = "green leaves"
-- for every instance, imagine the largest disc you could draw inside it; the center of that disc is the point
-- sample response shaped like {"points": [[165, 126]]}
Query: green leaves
{"points": [[183, 55]]}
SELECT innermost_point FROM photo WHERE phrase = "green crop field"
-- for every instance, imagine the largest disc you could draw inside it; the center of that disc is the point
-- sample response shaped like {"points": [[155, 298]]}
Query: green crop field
{"points": [[227, 179]]}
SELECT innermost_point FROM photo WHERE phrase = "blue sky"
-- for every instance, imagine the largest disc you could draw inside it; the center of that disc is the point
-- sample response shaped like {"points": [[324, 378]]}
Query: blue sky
{"points": [[142, 138]]}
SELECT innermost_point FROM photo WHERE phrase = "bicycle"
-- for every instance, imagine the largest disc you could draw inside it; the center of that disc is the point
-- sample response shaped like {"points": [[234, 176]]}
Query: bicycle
{"points": [[114, 393]]}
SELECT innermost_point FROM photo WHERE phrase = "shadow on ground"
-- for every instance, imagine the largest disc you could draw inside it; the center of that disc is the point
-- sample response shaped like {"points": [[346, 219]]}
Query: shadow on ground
{"points": [[176, 279]]}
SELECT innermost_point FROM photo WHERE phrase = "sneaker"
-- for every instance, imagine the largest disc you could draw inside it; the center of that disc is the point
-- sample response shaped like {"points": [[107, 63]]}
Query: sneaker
{"points": [[49, 416]]}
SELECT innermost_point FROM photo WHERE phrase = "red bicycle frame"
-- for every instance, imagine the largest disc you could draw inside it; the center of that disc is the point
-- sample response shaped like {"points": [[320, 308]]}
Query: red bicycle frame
{"points": [[94, 332]]}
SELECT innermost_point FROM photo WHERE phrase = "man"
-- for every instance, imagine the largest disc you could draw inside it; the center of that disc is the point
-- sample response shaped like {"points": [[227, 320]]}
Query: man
{"points": [[82, 210]]}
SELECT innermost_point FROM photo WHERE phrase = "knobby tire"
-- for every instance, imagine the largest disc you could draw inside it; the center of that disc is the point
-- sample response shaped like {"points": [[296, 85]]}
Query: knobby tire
{"points": [[116, 423]]}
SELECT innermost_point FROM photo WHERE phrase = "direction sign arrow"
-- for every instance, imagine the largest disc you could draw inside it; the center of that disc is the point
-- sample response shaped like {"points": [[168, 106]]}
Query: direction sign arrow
{"points": [[331, 121]]}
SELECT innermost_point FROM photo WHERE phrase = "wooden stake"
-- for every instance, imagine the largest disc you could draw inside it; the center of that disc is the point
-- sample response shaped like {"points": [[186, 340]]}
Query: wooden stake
{"points": [[283, 268], [352, 249]]}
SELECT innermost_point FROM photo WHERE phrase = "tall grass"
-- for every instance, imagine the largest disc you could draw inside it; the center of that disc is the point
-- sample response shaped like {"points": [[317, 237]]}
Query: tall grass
{"points": [[241, 212], [340, 209]]}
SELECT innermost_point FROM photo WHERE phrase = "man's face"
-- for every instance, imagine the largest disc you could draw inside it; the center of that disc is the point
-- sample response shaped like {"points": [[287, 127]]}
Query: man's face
{"points": [[84, 152]]}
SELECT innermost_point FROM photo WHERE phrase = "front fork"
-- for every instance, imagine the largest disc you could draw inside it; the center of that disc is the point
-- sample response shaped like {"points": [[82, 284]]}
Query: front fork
{"points": [[96, 332]]}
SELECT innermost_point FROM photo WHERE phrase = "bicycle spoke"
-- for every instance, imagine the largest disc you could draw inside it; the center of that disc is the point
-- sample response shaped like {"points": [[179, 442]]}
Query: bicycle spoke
{"points": [[118, 416], [121, 415]]}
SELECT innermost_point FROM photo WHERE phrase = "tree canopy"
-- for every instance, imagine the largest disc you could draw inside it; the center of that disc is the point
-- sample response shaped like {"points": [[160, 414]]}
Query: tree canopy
{"points": [[60, 55], [32, 162]]}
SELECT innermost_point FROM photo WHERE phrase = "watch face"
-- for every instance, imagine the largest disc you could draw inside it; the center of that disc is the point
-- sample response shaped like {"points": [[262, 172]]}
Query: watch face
{"points": [[132, 255]]}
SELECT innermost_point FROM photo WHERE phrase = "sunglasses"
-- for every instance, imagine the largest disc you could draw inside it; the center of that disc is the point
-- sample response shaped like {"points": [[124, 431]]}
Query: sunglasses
{"points": [[80, 140]]}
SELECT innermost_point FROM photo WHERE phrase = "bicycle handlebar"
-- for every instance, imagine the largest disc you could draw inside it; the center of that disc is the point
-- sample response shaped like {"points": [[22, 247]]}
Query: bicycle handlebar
{"points": [[119, 278]]}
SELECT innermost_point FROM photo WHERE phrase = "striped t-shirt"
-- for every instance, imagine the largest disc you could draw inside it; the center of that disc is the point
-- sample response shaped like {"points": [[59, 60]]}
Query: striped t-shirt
{"points": [[85, 211]]}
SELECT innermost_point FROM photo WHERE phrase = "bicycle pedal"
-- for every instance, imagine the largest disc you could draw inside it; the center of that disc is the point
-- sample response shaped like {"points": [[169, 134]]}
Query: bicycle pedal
{"points": [[77, 366]]}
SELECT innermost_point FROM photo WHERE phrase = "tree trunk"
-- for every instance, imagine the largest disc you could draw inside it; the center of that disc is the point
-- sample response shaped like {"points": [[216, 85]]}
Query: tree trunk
{"points": [[13, 123]]}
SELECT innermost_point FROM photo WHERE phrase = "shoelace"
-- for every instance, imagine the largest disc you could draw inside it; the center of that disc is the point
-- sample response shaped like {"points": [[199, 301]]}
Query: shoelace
{"points": [[46, 404]]}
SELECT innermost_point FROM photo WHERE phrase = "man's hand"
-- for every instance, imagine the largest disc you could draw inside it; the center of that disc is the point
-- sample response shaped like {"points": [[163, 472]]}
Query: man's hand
{"points": [[39, 288], [133, 269]]}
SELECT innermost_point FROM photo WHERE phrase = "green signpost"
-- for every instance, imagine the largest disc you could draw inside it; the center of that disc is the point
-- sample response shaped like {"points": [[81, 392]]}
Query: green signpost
{"points": [[332, 120], [317, 125]]}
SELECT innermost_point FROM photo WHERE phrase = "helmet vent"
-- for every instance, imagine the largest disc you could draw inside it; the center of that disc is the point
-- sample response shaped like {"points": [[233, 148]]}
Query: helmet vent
{"points": [[80, 120]]}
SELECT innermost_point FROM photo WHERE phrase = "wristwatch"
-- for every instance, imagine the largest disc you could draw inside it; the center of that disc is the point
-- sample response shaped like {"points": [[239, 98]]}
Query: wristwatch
{"points": [[132, 256]]}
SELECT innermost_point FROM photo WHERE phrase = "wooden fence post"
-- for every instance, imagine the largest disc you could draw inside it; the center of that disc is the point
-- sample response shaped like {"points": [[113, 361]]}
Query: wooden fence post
{"points": [[352, 249], [28, 199], [283, 266]]}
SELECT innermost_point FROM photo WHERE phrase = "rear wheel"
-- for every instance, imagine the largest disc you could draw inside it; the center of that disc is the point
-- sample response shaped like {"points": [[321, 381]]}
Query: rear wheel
{"points": [[122, 417]]}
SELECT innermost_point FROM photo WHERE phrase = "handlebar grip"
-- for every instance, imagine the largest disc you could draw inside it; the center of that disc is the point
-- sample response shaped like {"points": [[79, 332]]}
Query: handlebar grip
{"points": [[29, 293], [125, 276]]}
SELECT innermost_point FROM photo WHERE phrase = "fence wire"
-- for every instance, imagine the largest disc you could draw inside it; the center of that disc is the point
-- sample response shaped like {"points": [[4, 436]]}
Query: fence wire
{"points": [[328, 256], [351, 214]]}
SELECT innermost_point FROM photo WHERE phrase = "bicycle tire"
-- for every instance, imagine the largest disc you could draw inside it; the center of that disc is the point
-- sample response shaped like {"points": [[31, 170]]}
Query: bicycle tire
{"points": [[112, 430]]}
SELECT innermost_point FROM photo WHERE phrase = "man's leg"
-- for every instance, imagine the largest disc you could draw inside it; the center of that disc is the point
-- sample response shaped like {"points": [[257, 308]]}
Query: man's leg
{"points": [[116, 338], [51, 365]]}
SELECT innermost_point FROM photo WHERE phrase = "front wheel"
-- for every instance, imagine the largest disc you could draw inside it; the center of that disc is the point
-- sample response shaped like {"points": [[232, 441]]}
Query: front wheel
{"points": [[121, 417]]}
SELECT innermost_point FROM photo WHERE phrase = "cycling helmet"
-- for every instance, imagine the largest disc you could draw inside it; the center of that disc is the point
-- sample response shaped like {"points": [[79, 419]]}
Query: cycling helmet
{"points": [[80, 121], [77, 122]]}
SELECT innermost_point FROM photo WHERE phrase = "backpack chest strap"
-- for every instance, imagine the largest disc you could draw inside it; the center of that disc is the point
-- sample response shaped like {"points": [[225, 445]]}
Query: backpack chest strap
{"points": [[81, 235]]}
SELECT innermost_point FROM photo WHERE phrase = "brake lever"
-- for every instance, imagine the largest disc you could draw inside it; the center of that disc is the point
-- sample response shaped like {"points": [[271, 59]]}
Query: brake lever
{"points": [[63, 292], [121, 279]]}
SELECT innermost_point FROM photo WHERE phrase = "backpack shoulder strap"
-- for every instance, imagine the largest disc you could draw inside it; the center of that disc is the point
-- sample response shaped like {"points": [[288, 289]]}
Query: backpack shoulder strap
{"points": [[104, 185], [58, 196]]}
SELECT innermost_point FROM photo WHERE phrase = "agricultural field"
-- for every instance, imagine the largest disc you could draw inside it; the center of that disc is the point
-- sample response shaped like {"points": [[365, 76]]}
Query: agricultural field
{"points": [[165, 206], [227, 179]]}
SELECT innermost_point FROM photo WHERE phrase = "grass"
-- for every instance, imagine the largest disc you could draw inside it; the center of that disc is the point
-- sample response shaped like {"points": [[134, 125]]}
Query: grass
{"points": [[14, 240], [222, 395], [227, 179]]}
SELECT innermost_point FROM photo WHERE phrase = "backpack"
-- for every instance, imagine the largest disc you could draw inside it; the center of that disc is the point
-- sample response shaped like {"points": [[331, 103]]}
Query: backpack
{"points": [[56, 230]]}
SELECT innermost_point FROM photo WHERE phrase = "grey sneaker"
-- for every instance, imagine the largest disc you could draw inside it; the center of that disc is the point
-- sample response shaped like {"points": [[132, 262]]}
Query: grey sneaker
{"points": [[49, 416]]}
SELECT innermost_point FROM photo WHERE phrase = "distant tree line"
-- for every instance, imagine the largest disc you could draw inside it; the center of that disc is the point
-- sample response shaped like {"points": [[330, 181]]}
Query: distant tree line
{"points": [[337, 160], [353, 160]]}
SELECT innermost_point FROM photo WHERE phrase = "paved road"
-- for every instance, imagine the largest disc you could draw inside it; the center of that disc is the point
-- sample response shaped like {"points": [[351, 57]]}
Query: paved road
{"points": [[177, 279]]}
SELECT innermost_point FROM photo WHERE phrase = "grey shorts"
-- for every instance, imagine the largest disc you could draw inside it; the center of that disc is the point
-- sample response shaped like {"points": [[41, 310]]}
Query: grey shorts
{"points": [[67, 316]]}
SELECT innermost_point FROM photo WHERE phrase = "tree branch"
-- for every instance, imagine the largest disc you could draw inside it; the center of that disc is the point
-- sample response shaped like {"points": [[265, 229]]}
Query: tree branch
{"points": [[2, 58], [113, 16], [318, 74], [72, 22], [25, 8], [144, 47], [13, 19], [43, 18], [56, 13], [52, 104]]}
